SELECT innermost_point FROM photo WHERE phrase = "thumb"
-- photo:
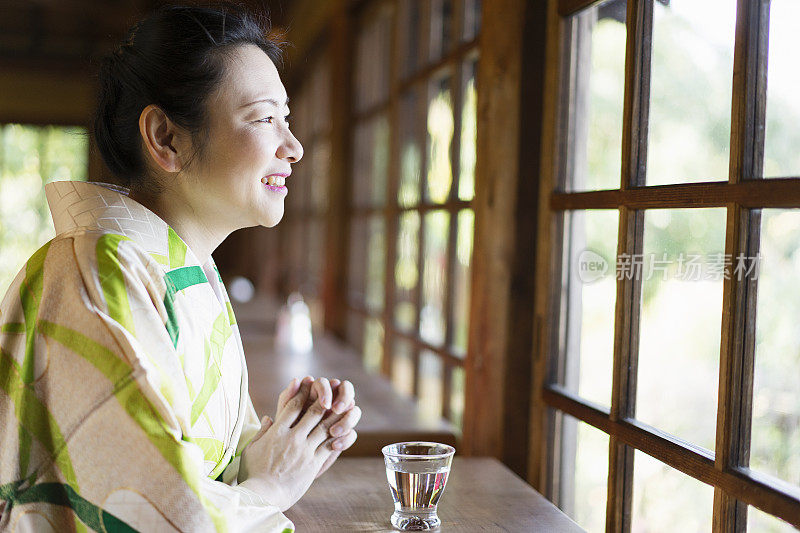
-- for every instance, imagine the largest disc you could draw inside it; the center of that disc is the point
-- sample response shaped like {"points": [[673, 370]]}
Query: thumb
{"points": [[266, 423]]}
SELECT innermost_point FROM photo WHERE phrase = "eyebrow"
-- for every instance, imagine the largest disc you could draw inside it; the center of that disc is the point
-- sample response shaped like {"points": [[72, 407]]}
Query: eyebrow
{"points": [[267, 100]]}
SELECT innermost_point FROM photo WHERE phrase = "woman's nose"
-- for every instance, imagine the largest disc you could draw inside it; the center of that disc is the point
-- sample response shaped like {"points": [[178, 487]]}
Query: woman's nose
{"points": [[290, 149]]}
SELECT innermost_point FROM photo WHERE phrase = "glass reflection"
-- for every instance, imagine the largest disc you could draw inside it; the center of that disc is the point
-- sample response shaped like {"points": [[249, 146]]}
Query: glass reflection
{"points": [[472, 19], [440, 136], [469, 134], [665, 499], [434, 277], [690, 89], [598, 70], [357, 263], [775, 441], [430, 385], [406, 273], [441, 15], [461, 281], [457, 397], [782, 136], [680, 322], [376, 263], [373, 344], [410, 153], [403, 367]]}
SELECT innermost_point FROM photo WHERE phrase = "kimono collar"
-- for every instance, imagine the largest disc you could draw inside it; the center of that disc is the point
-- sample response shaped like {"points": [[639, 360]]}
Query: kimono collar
{"points": [[95, 205]]}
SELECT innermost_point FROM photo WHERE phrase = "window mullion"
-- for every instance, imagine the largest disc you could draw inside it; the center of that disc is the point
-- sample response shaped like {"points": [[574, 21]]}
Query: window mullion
{"points": [[639, 21], [392, 212], [737, 347]]}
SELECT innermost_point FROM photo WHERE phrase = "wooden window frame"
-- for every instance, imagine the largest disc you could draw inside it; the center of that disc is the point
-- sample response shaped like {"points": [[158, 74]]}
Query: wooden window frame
{"points": [[452, 60], [743, 195]]}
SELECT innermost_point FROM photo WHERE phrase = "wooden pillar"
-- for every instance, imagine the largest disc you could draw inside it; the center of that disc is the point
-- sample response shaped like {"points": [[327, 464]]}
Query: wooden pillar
{"points": [[509, 90], [334, 282]]}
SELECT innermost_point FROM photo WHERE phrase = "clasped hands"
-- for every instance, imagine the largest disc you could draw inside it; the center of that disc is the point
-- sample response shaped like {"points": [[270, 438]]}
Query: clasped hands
{"points": [[313, 425]]}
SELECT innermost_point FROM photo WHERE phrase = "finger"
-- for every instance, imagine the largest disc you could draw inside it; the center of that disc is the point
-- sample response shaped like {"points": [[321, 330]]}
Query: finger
{"points": [[348, 422], [288, 392], [346, 395], [266, 423], [323, 389], [338, 444], [327, 464], [310, 418], [335, 383], [343, 443], [322, 430], [294, 406]]}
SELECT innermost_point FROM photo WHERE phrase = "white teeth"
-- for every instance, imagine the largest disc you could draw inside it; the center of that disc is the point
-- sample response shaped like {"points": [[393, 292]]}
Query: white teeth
{"points": [[276, 181]]}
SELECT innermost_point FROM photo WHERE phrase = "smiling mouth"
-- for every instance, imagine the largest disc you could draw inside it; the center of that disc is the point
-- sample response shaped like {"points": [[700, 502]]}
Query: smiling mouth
{"points": [[274, 181]]}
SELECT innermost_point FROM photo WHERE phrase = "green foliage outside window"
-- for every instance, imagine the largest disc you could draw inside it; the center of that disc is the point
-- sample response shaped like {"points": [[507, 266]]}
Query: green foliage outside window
{"points": [[30, 157]]}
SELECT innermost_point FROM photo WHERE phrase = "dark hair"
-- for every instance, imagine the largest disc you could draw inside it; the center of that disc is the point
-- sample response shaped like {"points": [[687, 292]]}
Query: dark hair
{"points": [[174, 59]]}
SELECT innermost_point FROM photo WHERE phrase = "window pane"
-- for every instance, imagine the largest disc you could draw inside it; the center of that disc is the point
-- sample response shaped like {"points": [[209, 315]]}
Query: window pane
{"points": [[410, 19], [441, 23], [690, 91], [376, 263], [320, 92], [584, 471], [440, 137], [30, 157], [469, 132], [371, 153], [431, 373], [355, 329], [681, 313], [410, 153], [457, 397], [316, 253], [598, 71], [761, 522], [434, 277], [589, 296], [665, 499], [461, 282], [317, 180], [472, 19], [775, 442], [782, 136], [403, 367], [373, 344], [357, 263], [372, 69], [406, 271]]}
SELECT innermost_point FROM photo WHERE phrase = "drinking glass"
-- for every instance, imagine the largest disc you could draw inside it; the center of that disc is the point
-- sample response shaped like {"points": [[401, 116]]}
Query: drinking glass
{"points": [[417, 473]]}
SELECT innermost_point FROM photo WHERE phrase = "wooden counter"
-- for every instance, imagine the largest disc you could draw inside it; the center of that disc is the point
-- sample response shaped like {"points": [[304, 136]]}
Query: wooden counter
{"points": [[481, 495]]}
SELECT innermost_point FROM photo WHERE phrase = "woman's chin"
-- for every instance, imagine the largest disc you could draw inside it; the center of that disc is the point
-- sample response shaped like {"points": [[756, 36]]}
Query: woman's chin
{"points": [[271, 219]]}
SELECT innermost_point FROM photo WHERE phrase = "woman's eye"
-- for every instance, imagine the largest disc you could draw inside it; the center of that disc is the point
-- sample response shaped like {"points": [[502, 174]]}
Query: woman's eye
{"points": [[267, 120]]}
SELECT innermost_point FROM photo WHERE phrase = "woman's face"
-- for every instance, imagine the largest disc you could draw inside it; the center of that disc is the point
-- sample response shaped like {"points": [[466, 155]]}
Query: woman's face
{"points": [[248, 139]]}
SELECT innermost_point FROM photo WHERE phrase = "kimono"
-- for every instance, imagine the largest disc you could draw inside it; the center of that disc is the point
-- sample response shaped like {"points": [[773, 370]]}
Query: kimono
{"points": [[124, 401]]}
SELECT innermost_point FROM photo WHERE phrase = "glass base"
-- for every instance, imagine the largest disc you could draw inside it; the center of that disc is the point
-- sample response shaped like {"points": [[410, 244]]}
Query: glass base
{"points": [[415, 520]]}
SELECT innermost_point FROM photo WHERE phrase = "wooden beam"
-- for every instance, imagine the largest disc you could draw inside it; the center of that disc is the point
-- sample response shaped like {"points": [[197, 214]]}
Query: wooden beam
{"points": [[773, 496], [773, 192]]}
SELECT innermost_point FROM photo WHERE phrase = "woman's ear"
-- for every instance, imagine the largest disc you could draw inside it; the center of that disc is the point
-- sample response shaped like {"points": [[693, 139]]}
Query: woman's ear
{"points": [[164, 140]]}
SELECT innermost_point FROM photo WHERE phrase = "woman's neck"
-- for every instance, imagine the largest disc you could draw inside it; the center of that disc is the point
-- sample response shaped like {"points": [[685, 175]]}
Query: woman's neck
{"points": [[190, 226]]}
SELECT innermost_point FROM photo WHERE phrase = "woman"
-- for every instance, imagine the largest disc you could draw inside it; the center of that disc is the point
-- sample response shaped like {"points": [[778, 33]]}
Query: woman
{"points": [[123, 387]]}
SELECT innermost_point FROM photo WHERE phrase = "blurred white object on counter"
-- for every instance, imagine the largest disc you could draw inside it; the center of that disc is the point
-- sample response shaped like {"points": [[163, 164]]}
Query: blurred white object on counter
{"points": [[294, 325]]}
